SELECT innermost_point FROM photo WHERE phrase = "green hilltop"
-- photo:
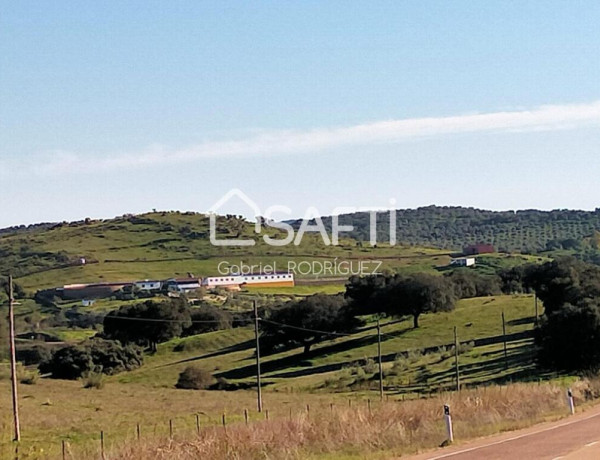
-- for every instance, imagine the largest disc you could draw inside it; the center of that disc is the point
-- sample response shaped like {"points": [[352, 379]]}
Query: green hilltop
{"points": [[452, 228], [166, 244]]}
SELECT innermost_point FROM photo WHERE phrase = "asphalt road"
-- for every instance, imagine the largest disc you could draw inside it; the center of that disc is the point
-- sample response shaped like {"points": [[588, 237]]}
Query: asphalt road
{"points": [[573, 438]]}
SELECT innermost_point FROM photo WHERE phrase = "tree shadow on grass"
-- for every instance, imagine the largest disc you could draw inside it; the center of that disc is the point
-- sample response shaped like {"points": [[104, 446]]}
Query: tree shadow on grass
{"points": [[521, 321], [302, 359], [247, 345]]}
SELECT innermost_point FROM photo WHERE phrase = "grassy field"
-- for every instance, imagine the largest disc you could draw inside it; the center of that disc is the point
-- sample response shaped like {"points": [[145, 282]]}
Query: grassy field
{"points": [[299, 425], [293, 371], [377, 431], [336, 373], [339, 372]]}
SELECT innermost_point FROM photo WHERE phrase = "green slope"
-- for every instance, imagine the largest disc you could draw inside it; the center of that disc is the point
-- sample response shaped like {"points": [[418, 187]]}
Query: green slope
{"points": [[160, 245]]}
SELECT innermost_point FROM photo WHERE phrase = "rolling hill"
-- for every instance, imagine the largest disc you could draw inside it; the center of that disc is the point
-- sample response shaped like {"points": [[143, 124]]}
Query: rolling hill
{"points": [[452, 228], [166, 244]]}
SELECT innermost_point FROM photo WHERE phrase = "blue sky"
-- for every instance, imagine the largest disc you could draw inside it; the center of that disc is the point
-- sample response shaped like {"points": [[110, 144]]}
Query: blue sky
{"points": [[115, 107]]}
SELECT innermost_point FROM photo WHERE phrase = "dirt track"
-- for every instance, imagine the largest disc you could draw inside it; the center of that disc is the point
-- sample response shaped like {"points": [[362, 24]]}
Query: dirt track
{"points": [[573, 438]]}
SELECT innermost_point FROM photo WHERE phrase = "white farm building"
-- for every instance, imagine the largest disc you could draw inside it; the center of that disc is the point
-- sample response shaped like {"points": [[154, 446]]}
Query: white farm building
{"points": [[463, 262]]}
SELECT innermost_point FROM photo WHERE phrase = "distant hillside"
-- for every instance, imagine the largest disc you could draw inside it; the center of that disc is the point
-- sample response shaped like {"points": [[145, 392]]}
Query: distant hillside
{"points": [[144, 239], [165, 244], [454, 227]]}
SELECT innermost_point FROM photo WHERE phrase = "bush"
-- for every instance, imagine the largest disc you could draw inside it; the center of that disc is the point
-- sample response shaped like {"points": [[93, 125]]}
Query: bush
{"points": [[166, 319], [370, 367], [95, 355], [94, 380], [400, 365], [207, 318], [33, 355], [28, 378], [195, 378]]}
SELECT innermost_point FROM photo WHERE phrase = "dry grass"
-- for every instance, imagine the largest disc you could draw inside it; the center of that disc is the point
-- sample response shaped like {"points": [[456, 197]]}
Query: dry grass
{"points": [[387, 429]]}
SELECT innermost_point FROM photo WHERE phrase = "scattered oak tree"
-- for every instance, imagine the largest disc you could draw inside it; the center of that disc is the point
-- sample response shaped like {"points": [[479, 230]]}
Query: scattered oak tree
{"points": [[401, 295], [148, 323], [417, 294], [568, 335], [307, 322]]}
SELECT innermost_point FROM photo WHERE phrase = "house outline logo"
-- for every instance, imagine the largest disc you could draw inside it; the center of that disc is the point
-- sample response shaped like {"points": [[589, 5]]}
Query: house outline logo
{"points": [[234, 192]]}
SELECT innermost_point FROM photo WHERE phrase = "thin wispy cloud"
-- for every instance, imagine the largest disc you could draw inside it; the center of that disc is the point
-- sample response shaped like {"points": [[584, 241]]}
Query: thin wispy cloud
{"points": [[543, 118]]}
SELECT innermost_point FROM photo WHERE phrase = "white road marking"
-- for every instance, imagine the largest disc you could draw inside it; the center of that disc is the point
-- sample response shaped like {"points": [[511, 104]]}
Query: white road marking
{"points": [[514, 438]]}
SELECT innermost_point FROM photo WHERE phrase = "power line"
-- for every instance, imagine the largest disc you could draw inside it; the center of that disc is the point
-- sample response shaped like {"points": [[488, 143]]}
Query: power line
{"points": [[275, 323], [316, 331], [167, 320]]}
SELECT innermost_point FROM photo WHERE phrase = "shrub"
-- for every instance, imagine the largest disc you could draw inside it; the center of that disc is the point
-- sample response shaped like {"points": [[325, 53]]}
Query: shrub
{"points": [[95, 355], [28, 378], [414, 356], [194, 378], [33, 355], [94, 380], [167, 319], [399, 366], [207, 318], [370, 367]]}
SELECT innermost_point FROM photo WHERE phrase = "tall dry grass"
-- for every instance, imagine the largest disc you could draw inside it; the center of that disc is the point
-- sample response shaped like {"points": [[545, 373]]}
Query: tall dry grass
{"points": [[387, 429]]}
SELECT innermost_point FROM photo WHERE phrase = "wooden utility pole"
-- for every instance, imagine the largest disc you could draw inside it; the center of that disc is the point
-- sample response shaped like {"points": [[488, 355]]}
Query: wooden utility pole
{"points": [[379, 360], [258, 387], [504, 342], [456, 360], [13, 360], [536, 307]]}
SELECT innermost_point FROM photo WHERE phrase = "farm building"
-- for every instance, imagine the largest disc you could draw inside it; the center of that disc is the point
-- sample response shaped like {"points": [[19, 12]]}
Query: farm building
{"points": [[252, 279], [475, 249], [90, 291], [148, 285], [463, 262], [183, 284]]}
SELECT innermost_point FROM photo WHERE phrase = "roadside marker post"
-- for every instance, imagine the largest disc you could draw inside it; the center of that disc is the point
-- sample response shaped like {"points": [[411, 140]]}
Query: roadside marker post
{"points": [[448, 421], [570, 401]]}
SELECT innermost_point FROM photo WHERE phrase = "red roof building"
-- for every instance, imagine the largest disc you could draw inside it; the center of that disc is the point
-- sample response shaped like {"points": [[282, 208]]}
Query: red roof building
{"points": [[475, 249]]}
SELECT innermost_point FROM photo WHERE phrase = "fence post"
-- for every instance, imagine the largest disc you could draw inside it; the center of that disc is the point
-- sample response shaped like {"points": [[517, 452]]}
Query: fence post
{"points": [[246, 416], [369, 405], [504, 342], [170, 429], [64, 451], [257, 339], [102, 444], [456, 370], [379, 360], [448, 421], [138, 431], [267, 414], [198, 424], [570, 401]]}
